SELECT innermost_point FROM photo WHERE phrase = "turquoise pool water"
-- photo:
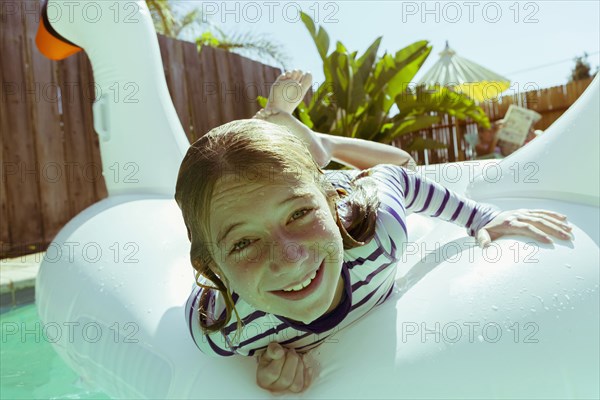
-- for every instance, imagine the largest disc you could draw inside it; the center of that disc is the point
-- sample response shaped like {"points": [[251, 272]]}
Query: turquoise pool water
{"points": [[29, 366]]}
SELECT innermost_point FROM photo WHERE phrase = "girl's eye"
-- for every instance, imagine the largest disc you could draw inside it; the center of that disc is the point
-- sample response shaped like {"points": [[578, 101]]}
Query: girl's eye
{"points": [[240, 245], [301, 213]]}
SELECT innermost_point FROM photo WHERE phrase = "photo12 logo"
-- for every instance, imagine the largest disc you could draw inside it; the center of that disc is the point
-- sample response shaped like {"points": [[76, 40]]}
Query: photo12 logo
{"points": [[70, 332], [70, 11], [69, 93], [470, 331], [470, 11], [268, 11]]}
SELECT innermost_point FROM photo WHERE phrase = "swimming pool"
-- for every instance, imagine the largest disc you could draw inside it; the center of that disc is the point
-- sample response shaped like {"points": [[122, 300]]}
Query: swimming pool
{"points": [[29, 366]]}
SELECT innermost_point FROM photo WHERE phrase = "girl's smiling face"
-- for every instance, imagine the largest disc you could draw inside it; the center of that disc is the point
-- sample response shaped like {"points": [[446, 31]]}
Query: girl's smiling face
{"points": [[271, 236]]}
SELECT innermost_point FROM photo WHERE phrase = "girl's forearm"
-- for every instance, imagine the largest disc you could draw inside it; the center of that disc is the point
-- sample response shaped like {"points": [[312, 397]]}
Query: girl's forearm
{"points": [[363, 154], [356, 153]]}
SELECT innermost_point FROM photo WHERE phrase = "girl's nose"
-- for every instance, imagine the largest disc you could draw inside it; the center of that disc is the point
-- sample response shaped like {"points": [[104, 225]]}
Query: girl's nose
{"points": [[288, 255], [294, 252]]}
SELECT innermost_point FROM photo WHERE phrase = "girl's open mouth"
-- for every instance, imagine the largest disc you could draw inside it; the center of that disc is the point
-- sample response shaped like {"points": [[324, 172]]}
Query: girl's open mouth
{"points": [[306, 291]]}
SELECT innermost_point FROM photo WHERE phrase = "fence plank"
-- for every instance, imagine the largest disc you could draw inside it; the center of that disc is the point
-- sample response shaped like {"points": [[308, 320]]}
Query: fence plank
{"points": [[21, 173], [251, 87], [196, 84], [5, 240], [174, 66], [53, 171], [261, 85], [211, 102], [231, 85]]}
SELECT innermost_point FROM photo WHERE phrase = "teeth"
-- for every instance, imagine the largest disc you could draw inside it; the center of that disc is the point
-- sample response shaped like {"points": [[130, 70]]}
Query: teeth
{"points": [[303, 284]]}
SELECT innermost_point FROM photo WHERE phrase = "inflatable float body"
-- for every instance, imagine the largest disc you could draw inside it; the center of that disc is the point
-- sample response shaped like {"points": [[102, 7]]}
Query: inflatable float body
{"points": [[516, 320]]}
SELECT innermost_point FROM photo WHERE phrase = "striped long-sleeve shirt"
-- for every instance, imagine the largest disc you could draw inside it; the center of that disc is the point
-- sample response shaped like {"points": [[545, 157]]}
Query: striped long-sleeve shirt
{"points": [[368, 271]]}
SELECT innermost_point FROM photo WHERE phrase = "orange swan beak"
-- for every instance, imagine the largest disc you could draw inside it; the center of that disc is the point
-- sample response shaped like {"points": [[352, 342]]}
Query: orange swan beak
{"points": [[50, 43]]}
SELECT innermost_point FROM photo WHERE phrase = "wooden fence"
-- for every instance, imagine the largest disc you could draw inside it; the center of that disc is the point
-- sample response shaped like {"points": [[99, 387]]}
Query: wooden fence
{"points": [[551, 103], [50, 160]]}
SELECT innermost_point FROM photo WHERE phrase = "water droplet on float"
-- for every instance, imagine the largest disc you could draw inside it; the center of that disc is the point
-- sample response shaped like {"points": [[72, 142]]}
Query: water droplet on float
{"points": [[568, 265], [539, 298], [580, 277], [532, 309], [494, 308], [480, 338], [149, 311], [568, 298]]}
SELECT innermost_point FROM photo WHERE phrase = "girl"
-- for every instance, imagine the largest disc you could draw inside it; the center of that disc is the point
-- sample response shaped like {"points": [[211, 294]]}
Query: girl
{"points": [[290, 254]]}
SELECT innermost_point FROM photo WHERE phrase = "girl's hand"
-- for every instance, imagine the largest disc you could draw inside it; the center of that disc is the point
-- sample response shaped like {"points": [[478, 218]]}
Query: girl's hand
{"points": [[281, 369], [537, 224]]}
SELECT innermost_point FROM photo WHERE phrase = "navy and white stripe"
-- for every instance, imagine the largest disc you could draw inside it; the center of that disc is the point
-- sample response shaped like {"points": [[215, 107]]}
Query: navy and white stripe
{"points": [[368, 271]]}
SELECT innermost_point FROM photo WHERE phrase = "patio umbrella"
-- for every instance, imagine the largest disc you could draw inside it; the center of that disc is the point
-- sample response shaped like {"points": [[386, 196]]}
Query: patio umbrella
{"points": [[465, 76]]}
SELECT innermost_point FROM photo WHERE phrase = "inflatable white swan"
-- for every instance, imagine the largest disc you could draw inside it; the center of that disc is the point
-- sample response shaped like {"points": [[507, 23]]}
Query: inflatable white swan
{"points": [[514, 321]]}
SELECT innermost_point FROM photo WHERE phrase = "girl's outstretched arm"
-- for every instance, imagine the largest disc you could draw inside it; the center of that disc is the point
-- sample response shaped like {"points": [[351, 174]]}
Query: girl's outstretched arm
{"points": [[286, 94], [357, 153], [483, 222], [363, 154]]}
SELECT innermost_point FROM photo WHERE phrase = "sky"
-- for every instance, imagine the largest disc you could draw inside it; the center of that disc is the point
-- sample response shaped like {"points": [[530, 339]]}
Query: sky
{"points": [[533, 43]]}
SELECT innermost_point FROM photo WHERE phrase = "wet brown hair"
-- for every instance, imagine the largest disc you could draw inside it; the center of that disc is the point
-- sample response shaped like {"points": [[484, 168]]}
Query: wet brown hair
{"points": [[255, 149]]}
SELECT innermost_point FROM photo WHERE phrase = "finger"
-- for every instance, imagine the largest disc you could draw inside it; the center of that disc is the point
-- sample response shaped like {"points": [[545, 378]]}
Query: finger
{"points": [[483, 238], [559, 222], [267, 375], [288, 372], [548, 227], [308, 377], [270, 365], [554, 214], [306, 80], [527, 229], [298, 384], [274, 351]]}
